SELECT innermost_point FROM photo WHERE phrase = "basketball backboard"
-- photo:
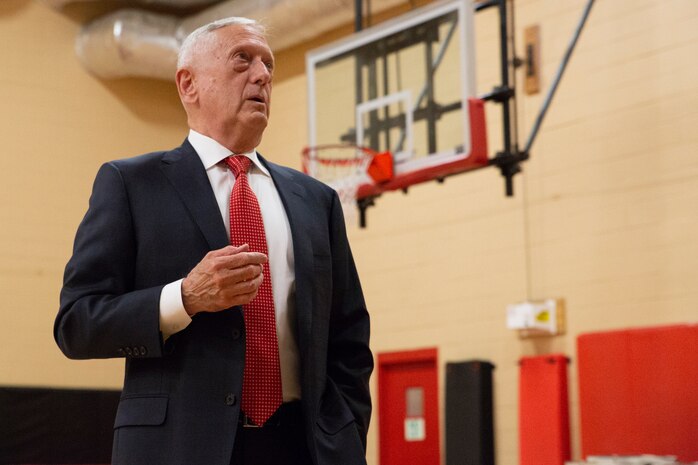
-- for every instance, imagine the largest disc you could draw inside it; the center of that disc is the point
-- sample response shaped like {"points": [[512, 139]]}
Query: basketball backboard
{"points": [[405, 86]]}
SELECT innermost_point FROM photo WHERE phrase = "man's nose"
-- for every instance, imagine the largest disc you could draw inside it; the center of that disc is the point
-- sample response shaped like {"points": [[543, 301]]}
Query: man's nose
{"points": [[260, 74]]}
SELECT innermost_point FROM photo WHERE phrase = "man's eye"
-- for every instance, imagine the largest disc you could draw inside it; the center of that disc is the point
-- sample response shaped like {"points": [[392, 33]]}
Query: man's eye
{"points": [[269, 65]]}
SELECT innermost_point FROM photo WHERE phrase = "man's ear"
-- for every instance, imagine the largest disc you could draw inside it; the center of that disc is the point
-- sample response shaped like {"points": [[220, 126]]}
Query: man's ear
{"points": [[185, 85]]}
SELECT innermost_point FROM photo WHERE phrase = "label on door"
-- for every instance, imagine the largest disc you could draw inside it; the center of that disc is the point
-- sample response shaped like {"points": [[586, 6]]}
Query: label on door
{"points": [[414, 429]]}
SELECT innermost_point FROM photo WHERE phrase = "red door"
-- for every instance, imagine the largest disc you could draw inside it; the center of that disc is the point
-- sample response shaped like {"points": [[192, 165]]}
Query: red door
{"points": [[408, 408]]}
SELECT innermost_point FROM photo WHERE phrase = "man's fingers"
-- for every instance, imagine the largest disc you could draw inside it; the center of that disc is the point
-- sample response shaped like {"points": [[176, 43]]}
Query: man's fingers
{"points": [[229, 250], [247, 287], [239, 260], [234, 257], [240, 293], [245, 273], [224, 278], [243, 282], [244, 299]]}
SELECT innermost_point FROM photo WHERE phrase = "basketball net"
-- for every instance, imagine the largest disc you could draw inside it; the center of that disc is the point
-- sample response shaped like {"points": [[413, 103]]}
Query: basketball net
{"points": [[342, 167]]}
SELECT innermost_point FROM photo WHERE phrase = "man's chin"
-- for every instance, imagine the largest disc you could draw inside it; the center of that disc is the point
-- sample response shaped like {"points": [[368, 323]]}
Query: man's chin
{"points": [[259, 120]]}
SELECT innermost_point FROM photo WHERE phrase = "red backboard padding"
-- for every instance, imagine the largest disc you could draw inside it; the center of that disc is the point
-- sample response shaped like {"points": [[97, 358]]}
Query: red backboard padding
{"points": [[544, 431], [638, 392]]}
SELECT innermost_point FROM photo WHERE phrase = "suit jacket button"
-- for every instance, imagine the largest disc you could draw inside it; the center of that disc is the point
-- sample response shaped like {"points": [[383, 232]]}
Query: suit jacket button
{"points": [[230, 399], [129, 352], [236, 333]]}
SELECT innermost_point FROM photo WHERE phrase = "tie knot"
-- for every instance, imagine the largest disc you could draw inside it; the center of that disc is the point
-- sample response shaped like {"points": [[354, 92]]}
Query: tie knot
{"points": [[238, 164]]}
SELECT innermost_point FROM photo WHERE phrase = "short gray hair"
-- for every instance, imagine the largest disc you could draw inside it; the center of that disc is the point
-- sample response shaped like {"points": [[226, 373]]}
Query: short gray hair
{"points": [[187, 48]]}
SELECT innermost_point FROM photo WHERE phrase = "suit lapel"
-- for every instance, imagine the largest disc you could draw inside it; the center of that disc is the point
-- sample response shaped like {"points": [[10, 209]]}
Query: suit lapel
{"points": [[183, 168], [293, 197]]}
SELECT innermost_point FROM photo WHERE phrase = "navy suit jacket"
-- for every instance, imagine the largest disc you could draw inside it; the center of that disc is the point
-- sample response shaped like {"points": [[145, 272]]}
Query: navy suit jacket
{"points": [[151, 219]]}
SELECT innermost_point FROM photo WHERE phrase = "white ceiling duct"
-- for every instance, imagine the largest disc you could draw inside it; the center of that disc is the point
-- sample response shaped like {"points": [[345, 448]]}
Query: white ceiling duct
{"points": [[59, 4], [135, 43], [130, 43]]}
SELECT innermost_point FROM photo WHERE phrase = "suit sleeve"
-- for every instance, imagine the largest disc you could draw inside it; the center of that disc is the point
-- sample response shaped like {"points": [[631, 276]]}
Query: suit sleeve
{"points": [[349, 361], [101, 315]]}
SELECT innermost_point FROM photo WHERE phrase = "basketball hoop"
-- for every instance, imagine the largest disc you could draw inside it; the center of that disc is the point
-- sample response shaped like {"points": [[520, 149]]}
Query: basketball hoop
{"points": [[345, 168]]}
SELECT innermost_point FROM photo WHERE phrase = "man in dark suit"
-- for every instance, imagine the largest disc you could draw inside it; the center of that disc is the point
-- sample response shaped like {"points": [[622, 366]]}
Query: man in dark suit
{"points": [[155, 278]]}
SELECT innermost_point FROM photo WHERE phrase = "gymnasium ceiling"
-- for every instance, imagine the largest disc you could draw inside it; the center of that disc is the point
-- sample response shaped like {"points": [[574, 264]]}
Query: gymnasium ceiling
{"points": [[140, 38]]}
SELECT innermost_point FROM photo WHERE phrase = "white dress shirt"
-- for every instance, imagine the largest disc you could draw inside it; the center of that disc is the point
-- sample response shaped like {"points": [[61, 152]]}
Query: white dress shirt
{"points": [[173, 316]]}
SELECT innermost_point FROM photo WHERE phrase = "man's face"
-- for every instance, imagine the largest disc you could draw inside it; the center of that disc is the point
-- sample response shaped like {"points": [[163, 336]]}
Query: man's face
{"points": [[234, 81]]}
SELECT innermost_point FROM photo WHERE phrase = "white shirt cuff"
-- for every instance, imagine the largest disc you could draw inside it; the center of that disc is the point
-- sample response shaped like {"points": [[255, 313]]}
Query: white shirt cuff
{"points": [[173, 316]]}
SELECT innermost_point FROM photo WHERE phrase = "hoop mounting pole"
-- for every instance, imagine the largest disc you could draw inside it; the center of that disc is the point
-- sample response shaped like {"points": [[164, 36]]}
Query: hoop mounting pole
{"points": [[558, 76]]}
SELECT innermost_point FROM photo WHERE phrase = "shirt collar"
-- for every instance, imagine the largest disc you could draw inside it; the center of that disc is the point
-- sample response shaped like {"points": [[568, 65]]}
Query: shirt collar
{"points": [[212, 152]]}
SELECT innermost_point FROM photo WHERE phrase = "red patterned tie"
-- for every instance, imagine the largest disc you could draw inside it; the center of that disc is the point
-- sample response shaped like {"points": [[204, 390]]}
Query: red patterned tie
{"points": [[261, 386]]}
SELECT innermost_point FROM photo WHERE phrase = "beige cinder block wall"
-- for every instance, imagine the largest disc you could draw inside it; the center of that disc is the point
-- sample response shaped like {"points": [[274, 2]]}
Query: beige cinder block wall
{"points": [[603, 216], [58, 125]]}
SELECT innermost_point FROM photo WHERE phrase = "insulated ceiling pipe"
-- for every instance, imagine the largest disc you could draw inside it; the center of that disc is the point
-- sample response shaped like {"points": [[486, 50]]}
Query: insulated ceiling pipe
{"points": [[130, 43], [59, 4], [135, 43]]}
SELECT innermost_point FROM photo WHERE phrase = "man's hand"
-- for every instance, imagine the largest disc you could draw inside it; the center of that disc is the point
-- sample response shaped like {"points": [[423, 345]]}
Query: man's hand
{"points": [[224, 278]]}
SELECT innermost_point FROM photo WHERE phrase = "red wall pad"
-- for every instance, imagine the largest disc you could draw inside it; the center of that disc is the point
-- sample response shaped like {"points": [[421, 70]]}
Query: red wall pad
{"points": [[638, 391], [544, 425]]}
